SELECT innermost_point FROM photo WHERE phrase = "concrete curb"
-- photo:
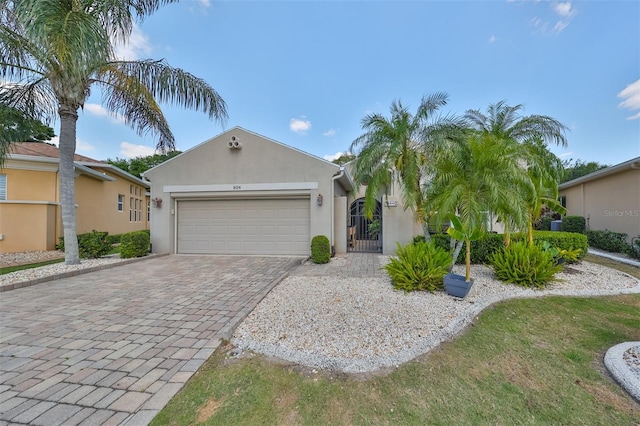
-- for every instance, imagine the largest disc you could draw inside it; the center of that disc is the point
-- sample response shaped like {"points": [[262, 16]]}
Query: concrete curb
{"points": [[614, 257], [15, 286], [621, 370]]}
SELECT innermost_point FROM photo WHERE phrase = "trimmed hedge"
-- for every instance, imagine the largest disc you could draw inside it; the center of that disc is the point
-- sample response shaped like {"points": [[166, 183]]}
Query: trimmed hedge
{"points": [[485, 247], [134, 244], [320, 249], [615, 242], [574, 224]]}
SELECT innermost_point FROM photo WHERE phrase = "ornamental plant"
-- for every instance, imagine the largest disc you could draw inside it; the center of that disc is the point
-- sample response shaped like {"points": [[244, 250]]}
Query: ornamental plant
{"points": [[320, 249], [525, 265], [418, 266]]}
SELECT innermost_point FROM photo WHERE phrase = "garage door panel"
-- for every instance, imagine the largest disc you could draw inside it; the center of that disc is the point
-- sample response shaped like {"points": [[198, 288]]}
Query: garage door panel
{"points": [[266, 226]]}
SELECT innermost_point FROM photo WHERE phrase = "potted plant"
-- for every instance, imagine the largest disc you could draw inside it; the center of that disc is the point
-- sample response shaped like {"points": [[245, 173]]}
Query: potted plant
{"points": [[458, 285]]}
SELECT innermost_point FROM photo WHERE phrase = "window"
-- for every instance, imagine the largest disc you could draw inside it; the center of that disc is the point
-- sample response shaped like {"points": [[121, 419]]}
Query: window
{"points": [[131, 209], [120, 202], [3, 187], [148, 211], [130, 189], [563, 201]]}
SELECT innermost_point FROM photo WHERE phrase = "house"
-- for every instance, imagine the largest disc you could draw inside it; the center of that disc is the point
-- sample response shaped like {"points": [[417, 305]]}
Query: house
{"points": [[241, 193], [107, 198], [608, 198]]}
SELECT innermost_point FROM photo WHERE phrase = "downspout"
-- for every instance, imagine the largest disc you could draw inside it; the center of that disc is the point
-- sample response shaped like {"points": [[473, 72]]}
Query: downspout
{"points": [[333, 210]]}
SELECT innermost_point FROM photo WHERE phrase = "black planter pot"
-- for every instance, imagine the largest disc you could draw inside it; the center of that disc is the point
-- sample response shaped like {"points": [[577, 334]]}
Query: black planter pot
{"points": [[455, 285]]}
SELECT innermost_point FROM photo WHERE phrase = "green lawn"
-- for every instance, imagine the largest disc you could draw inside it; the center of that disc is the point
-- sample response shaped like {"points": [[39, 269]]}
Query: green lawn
{"points": [[9, 269], [533, 361]]}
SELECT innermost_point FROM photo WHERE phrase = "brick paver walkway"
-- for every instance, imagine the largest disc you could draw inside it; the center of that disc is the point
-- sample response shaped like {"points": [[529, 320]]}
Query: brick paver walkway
{"points": [[112, 347], [344, 265]]}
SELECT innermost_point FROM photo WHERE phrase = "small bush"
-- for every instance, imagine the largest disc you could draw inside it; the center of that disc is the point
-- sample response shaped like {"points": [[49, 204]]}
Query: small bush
{"points": [[481, 249], [320, 249], [525, 265], [573, 224], [634, 248], [134, 244], [419, 266], [93, 245], [615, 242]]}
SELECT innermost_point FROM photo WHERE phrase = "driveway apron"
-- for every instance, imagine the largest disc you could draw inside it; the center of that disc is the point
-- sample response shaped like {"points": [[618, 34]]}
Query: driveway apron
{"points": [[113, 346]]}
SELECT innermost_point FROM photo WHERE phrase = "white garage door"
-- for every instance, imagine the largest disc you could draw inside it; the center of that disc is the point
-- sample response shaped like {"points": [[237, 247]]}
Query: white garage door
{"points": [[265, 226]]}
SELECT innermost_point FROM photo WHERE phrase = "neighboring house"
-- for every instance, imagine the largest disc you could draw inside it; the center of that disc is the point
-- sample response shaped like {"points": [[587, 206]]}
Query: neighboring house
{"points": [[608, 198], [107, 198], [242, 193]]}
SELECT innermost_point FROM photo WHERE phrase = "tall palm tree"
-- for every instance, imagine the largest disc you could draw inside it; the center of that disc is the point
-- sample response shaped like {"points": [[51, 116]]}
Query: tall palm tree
{"points": [[507, 123], [395, 149], [54, 52]]}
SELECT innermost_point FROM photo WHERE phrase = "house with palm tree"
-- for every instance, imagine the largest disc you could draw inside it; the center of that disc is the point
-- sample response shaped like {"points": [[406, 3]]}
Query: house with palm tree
{"points": [[106, 198]]}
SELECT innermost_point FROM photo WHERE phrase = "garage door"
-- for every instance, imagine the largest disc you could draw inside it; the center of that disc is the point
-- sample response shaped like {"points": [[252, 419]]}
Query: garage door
{"points": [[255, 227]]}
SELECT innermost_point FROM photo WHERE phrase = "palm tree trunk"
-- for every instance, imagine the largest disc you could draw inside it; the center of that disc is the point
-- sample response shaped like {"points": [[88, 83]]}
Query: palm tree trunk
{"points": [[425, 231], [68, 118], [468, 261], [457, 251], [507, 234]]}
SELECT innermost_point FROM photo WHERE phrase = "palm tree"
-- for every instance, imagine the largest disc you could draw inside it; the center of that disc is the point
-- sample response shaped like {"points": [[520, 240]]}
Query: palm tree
{"points": [[54, 52], [506, 123], [545, 171], [395, 149], [473, 175]]}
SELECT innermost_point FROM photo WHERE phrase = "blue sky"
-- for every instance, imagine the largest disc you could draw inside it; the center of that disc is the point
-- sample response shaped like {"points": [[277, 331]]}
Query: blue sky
{"points": [[305, 73]]}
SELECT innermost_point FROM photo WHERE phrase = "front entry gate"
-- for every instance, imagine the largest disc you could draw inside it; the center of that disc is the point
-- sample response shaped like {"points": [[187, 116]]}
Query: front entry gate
{"points": [[364, 234]]}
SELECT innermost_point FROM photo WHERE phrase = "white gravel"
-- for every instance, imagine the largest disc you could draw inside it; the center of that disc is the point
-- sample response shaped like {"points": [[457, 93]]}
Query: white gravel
{"points": [[54, 269], [362, 324]]}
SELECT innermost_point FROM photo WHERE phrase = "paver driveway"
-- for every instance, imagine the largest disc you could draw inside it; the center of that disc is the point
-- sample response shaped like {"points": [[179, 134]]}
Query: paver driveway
{"points": [[113, 346]]}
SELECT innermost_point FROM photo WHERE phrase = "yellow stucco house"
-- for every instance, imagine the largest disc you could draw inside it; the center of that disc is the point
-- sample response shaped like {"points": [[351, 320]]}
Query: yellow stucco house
{"points": [[608, 198], [107, 198]]}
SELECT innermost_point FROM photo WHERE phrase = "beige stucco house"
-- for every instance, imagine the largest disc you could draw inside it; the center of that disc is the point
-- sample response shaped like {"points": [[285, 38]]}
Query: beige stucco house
{"points": [[608, 199], [243, 193], [107, 198]]}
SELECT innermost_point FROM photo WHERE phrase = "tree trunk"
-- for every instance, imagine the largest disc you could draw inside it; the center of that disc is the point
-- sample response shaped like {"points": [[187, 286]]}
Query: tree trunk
{"points": [[457, 251], [67, 145], [425, 231], [468, 261]]}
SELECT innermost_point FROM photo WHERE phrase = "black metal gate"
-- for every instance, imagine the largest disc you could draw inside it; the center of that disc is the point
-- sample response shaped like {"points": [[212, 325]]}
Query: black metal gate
{"points": [[364, 234]]}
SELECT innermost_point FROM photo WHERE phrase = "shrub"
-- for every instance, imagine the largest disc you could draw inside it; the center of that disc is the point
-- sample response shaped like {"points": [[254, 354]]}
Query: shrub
{"points": [[560, 240], [114, 239], [573, 224], [634, 248], [481, 249], [419, 266], [91, 245], [134, 244], [525, 265], [320, 249], [615, 242]]}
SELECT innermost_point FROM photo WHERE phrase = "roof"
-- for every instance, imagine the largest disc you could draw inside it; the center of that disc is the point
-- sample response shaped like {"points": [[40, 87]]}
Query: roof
{"points": [[634, 163], [45, 152], [43, 149]]}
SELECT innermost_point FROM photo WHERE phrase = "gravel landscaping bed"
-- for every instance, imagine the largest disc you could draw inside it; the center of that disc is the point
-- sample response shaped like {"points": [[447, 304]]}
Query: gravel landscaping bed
{"points": [[360, 325]]}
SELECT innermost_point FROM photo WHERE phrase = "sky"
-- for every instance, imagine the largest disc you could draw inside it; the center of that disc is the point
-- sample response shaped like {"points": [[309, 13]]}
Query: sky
{"points": [[305, 73]]}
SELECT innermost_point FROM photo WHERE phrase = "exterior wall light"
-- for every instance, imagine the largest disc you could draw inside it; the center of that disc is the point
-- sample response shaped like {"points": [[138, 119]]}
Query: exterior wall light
{"points": [[319, 200]]}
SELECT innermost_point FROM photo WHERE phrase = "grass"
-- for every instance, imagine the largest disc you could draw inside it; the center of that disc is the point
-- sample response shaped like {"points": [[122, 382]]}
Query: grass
{"points": [[530, 361], [9, 269]]}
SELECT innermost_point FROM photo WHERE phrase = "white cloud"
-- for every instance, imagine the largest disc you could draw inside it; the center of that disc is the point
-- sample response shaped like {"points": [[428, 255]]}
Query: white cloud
{"points": [[492, 39], [82, 146], [129, 150], [205, 3], [100, 111], [565, 154], [329, 132], [55, 140], [137, 46], [298, 125], [631, 96], [331, 157], [565, 9]]}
